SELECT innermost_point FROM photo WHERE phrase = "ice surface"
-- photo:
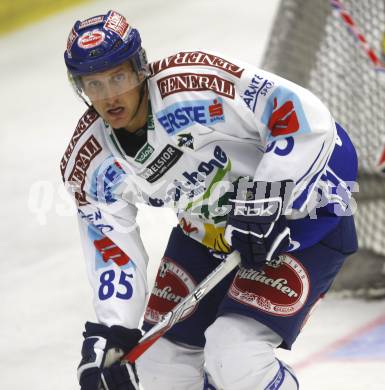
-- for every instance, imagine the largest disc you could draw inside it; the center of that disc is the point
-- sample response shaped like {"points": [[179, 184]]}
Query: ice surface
{"points": [[44, 293]]}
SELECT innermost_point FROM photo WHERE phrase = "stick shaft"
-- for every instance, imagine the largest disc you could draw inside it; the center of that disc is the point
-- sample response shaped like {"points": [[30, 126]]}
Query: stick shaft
{"points": [[174, 316]]}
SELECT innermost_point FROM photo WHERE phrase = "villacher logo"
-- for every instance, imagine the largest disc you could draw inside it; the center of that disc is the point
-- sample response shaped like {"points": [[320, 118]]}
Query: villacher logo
{"points": [[172, 284], [281, 291]]}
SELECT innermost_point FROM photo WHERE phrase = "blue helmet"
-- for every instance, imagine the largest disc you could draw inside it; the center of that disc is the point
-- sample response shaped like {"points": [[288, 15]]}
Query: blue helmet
{"points": [[101, 42]]}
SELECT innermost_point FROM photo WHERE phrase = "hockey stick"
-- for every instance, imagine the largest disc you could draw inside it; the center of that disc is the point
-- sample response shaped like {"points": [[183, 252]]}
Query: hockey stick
{"points": [[189, 302]]}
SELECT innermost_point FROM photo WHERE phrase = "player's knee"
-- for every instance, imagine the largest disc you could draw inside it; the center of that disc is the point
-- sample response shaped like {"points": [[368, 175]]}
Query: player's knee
{"points": [[239, 354], [170, 366], [284, 379]]}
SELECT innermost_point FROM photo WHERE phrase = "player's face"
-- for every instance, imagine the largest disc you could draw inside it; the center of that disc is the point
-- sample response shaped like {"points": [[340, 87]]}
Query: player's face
{"points": [[115, 94]]}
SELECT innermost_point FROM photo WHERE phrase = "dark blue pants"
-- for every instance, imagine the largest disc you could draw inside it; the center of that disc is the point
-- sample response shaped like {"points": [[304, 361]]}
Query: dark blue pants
{"points": [[280, 297]]}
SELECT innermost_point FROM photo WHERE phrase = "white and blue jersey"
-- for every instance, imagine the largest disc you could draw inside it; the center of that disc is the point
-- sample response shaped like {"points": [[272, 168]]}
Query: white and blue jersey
{"points": [[212, 121]]}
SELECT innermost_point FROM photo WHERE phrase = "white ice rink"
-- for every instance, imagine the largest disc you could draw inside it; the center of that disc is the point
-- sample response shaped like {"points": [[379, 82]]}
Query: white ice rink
{"points": [[44, 293]]}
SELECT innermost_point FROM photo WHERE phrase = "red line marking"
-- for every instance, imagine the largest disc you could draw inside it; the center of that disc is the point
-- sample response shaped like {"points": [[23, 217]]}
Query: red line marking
{"points": [[320, 355]]}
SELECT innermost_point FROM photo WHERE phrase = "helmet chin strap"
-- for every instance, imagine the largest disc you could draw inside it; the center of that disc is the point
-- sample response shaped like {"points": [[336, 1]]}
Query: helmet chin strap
{"points": [[84, 100]]}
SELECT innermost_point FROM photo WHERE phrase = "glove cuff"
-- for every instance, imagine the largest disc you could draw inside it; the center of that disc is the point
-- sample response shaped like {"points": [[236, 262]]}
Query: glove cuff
{"points": [[95, 329], [116, 336], [123, 338]]}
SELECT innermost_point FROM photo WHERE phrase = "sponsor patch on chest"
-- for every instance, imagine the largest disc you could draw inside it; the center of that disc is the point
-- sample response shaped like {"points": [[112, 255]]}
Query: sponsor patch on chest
{"points": [[180, 116], [166, 159], [195, 82]]}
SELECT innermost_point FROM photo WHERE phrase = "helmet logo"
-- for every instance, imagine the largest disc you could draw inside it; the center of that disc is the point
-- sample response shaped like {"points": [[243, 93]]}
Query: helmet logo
{"points": [[117, 23], [91, 21], [91, 39], [71, 39]]}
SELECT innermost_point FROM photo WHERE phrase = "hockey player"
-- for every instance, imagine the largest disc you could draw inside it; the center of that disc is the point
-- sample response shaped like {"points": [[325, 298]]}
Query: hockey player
{"points": [[249, 161]]}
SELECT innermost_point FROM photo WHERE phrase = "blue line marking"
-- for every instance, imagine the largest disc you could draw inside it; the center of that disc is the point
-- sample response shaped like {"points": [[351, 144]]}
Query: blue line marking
{"points": [[370, 345]]}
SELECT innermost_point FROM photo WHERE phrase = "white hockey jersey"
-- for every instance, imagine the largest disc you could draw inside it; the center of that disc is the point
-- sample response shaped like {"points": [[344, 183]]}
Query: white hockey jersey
{"points": [[211, 122]]}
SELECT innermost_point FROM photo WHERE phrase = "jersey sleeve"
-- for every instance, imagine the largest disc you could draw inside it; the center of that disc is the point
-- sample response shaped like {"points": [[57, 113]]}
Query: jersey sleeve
{"points": [[296, 129], [116, 262]]}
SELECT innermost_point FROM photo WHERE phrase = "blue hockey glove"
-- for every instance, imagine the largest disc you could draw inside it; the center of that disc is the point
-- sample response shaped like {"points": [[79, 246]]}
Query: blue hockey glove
{"points": [[100, 367], [255, 225]]}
